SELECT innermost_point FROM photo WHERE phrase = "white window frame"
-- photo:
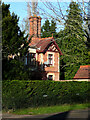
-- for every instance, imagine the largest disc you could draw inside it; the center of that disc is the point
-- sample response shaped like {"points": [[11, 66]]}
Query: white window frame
{"points": [[52, 75], [52, 58]]}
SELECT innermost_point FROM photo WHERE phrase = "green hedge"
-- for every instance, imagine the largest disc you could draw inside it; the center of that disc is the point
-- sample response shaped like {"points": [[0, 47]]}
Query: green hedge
{"points": [[19, 94]]}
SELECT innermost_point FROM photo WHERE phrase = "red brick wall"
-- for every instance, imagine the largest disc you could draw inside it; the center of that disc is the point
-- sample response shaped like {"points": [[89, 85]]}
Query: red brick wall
{"points": [[35, 26], [39, 27], [52, 69]]}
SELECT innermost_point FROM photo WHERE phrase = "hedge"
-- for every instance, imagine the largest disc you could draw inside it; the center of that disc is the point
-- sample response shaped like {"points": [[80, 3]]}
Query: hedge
{"points": [[22, 94]]}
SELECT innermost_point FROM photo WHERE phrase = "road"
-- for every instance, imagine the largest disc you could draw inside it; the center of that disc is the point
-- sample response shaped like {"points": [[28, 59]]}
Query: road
{"points": [[69, 115]]}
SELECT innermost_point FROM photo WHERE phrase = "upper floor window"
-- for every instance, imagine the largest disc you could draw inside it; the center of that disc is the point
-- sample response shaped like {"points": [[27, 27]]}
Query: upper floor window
{"points": [[50, 59]]}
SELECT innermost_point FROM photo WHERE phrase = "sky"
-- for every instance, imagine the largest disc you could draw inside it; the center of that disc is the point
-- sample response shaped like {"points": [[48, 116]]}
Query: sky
{"points": [[19, 7]]}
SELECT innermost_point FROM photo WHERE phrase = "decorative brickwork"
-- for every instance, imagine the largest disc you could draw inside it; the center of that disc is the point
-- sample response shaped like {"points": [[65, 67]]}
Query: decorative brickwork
{"points": [[35, 26]]}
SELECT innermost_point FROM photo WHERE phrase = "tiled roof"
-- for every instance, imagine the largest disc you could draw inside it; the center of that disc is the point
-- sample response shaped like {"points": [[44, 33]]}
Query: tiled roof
{"points": [[83, 72], [42, 44]]}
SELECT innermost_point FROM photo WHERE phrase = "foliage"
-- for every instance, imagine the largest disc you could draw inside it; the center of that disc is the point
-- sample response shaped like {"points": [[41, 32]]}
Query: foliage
{"points": [[14, 68], [71, 42], [48, 29], [87, 35], [12, 37], [19, 94], [13, 43]]}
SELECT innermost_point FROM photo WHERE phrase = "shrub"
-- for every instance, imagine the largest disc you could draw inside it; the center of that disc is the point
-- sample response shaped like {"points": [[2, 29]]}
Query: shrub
{"points": [[18, 94]]}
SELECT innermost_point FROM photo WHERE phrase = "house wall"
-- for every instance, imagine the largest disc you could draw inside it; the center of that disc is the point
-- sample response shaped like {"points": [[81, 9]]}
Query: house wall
{"points": [[54, 69]]}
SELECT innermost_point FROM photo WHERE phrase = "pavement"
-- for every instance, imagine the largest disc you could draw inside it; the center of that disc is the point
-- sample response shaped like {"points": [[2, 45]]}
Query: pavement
{"points": [[68, 115]]}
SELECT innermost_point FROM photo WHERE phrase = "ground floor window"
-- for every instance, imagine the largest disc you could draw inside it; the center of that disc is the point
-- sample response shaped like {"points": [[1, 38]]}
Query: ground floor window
{"points": [[50, 77], [30, 59]]}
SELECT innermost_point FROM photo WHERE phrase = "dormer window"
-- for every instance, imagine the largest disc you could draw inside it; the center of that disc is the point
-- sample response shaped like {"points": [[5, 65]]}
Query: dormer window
{"points": [[50, 59]]}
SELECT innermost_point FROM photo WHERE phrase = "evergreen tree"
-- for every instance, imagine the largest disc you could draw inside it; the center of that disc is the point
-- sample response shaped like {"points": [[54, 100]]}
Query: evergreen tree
{"points": [[53, 28], [87, 36], [45, 30], [72, 43], [12, 37], [48, 29], [13, 43]]}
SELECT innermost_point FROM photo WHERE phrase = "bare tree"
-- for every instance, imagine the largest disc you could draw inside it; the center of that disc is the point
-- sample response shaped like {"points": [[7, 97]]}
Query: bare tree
{"points": [[56, 10], [52, 10], [32, 8], [31, 11]]}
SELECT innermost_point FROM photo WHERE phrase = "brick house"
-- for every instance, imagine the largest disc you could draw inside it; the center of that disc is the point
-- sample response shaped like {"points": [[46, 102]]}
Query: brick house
{"points": [[83, 74], [43, 51]]}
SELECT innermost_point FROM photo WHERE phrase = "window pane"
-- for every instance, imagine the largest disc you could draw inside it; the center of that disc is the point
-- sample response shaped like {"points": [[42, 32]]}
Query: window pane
{"points": [[50, 77], [50, 59], [31, 59]]}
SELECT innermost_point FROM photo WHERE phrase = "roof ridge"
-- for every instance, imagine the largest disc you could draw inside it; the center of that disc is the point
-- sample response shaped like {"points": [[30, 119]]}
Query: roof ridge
{"points": [[82, 66], [45, 38]]}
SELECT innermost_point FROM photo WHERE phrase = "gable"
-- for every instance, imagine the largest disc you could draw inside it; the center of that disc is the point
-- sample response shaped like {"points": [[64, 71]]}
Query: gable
{"points": [[45, 44], [53, 48]]}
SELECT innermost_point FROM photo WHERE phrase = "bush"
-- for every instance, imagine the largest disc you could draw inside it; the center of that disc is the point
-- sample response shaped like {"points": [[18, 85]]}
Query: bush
{"points": [[19, 94]]}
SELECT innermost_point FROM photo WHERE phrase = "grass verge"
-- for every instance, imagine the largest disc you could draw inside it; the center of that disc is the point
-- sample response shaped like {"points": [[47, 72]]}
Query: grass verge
{"points": [[50, 109]]}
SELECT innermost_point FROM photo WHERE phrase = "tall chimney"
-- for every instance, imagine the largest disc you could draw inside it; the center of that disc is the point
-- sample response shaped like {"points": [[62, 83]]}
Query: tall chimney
{"points": [[35, 26], [39, 26]]}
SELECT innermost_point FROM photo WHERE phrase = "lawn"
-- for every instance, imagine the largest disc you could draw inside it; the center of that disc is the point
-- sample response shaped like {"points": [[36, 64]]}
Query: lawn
{"points": [[50, 109]]}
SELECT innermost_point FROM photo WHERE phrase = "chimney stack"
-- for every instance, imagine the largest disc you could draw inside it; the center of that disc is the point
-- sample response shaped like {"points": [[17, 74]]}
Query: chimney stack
{"points": [[35, 26]]}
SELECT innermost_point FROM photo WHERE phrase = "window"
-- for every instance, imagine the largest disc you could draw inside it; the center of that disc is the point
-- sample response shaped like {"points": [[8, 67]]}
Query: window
{"points": [[50, 77], [26, 60], [31, 59], [50, 59]]}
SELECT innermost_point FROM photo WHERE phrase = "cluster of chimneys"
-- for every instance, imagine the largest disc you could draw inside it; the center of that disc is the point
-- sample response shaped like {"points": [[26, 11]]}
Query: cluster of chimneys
{"points": [[35, 26]]}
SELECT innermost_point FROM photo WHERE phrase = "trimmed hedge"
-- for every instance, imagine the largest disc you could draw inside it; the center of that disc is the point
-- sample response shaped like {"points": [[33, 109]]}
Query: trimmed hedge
{"points": [[21, 94]]}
